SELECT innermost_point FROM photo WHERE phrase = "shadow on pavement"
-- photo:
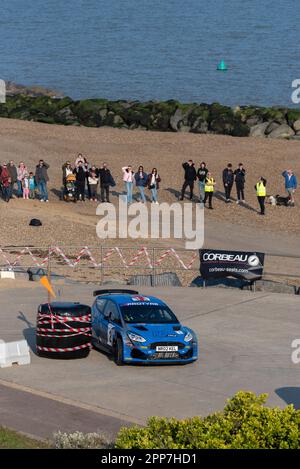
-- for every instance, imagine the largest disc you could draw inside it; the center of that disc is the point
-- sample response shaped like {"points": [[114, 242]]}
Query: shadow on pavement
{"points": [[290, 394]]}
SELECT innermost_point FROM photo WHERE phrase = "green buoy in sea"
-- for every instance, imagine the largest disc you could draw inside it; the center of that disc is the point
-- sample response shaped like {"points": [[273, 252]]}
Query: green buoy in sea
{"points": [[222, 66]]}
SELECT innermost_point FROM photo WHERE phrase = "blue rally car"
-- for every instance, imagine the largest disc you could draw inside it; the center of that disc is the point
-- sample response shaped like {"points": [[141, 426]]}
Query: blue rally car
{"points": [[140, 329]]}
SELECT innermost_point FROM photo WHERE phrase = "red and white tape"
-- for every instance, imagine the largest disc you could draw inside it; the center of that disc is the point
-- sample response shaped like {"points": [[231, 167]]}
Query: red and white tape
{"points": [[67, 349], [85, 251]]}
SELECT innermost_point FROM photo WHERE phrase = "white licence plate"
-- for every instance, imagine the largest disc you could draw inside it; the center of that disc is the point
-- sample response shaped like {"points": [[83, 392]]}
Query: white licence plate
{"points": [[167, 348]]}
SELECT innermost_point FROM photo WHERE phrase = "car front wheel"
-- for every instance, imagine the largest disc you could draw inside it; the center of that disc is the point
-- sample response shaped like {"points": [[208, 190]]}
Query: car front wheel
{"points": [[118, 352]]}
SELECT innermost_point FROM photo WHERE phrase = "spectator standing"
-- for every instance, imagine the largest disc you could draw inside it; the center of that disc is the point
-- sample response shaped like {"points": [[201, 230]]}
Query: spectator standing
{"points": [[25, 187], [21, 173], [228, 179], [87, 167], [12, 171], [41, 179], [106, 180], [93, 182], [189, 178], [66, 170], [80, 175], [32, 186], [209, 189], [290, 184], [201, 176], [261, 193], [141, 182], [153, 181], [240, 174], [5, 183], [79, 158], [128, 178]]}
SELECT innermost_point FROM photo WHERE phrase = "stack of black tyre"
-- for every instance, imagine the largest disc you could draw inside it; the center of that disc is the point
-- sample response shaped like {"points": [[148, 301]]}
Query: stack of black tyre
{"points": [[63, 330]]}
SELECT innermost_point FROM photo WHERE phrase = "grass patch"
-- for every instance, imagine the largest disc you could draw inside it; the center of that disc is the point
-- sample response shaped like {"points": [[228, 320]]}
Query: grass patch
{"points": [[10, 439]]}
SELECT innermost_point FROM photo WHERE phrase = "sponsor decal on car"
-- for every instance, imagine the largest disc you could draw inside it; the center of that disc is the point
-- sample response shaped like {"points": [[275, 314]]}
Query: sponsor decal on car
{"points": [[140, 298], [140, 303]]}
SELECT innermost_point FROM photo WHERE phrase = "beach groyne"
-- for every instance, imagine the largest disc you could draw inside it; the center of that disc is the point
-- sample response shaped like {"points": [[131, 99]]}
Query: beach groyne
{"points": [[172, 116]]}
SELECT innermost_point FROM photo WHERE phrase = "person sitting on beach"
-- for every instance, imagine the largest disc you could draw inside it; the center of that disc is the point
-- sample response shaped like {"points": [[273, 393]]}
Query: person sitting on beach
{"points": [[128, 178], [141, 182]]}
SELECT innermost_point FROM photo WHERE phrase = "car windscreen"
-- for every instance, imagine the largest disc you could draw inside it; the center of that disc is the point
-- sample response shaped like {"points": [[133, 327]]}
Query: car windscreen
{"points": [[148, 314]]}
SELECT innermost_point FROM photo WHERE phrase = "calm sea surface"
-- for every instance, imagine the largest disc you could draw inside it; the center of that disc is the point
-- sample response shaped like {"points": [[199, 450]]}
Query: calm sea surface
{"points": [[154, 49]]}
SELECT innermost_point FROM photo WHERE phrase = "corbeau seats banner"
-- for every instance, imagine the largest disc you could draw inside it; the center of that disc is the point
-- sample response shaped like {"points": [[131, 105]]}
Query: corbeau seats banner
{"points": [[238, 264]]}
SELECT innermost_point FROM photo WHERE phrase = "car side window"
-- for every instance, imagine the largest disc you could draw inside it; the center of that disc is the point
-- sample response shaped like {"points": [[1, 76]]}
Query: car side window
{"points": [[101, 303], [111, 312]]}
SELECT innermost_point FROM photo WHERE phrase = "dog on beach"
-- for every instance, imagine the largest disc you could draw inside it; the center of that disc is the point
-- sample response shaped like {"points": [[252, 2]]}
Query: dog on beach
{"points": [[280, 200]]}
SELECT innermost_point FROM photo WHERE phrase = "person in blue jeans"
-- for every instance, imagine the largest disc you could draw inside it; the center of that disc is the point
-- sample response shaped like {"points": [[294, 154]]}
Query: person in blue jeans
{"points": [[153, 181], [201, 176], [290, 184], [128, 178], [141, 182], [41, 179]]}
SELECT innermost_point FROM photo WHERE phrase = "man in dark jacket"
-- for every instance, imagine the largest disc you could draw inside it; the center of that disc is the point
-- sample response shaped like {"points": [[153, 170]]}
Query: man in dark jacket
{"points": [[106, 180], [80, 174], [240, 183], [41, 179], [228, 179], [12, 171], [189, 178]]}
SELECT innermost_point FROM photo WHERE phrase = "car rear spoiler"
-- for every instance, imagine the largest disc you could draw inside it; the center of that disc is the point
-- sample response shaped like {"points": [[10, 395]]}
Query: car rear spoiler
{"points": [[114, 290]]}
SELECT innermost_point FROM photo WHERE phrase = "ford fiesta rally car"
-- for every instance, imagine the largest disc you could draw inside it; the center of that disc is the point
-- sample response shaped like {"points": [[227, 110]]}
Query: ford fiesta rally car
{"points": [[140, 329]]}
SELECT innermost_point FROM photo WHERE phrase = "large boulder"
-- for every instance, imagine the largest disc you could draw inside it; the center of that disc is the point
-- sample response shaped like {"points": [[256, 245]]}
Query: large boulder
{"points": [[176, 118], [88, 111], [200, 126], [292, 116], [259, 130], [66, 116], [296, 125], [283, 131], [272, 126]]}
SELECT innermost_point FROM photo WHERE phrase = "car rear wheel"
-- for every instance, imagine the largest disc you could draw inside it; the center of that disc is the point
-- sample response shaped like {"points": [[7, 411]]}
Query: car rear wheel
{"points": [[118, 352]]}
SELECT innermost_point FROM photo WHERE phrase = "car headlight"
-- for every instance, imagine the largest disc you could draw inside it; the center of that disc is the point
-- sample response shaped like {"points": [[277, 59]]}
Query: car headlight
{"points": [[188, 337], [135, 337]]}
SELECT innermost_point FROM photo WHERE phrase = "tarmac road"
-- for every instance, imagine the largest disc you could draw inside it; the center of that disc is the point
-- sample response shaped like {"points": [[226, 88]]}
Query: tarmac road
{"points": [[244, 339]]}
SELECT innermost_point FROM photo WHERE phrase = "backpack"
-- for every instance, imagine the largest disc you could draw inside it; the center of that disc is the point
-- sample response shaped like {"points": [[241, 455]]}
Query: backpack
{"points": [[35, 222]]}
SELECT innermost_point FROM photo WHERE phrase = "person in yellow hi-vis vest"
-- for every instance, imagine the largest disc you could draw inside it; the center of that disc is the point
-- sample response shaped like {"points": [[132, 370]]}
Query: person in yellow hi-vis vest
{"points": [[261, 193], [209, 189]]}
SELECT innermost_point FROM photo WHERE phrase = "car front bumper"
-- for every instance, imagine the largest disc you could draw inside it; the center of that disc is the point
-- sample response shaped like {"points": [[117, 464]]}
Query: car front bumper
{"points": [[144, 354]]}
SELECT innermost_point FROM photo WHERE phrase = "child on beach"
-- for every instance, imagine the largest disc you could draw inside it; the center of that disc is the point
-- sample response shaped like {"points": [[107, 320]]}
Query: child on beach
{"points": [[25, 187], [93, 182], [32, 186]]}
